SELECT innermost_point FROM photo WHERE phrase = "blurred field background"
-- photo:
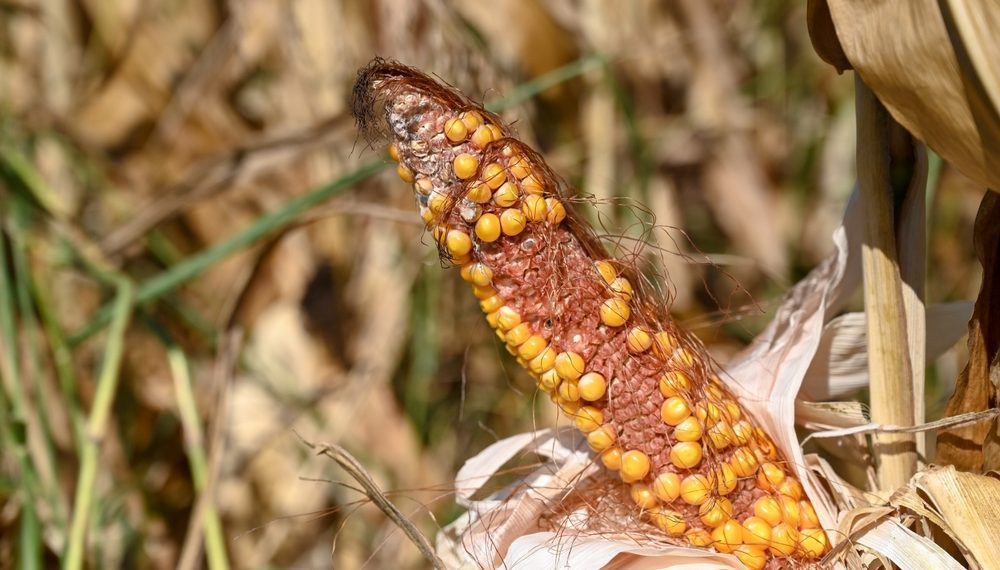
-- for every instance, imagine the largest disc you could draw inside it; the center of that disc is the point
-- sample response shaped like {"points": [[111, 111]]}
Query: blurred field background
{"points": [[200, 158]]}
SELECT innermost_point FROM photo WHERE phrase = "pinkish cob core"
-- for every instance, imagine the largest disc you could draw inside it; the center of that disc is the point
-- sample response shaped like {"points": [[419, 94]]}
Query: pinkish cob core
{"points": [[643, 391]]}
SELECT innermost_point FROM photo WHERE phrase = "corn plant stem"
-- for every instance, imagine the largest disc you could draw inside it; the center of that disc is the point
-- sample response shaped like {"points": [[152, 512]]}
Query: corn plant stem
{"points": [[281, 217], [888, 353], [195, 448], [107, 383]]}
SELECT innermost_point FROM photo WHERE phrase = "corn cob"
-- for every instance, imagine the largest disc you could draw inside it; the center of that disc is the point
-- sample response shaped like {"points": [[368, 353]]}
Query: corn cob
{"points": [[644, 392]]}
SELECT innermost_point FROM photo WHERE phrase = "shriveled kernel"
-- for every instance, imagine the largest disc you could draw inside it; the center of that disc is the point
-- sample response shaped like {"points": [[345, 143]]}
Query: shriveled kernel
{"points": [[519, 167], [483, 292], [667, 486], [615, 312], [753, 557], [592, 386], [744, 463], [612, 458], [482, 136], [768, 509], [479, 192], [588, 419], [531, 185], [423, 186], [808, 515], [602, 438], [465, 166], [488, 228], [393, 151], [512, 221], [622, 288], [494, 175], [696, 489], [606, 270], [534, 208], [508, 318], [557, 212], [699, 537], [569, 391], [769, 476], [491, 304], [549, 381], [791, 487], [532, 347], [635, 465], [458, 243], [812, 542], [715, 511], [674, 410], [543, 361], [756, 531], [728, 537], [472, 120], [688, 430], [674, 383], [638, 340], [670, 522], [790, 512], [686, 454], [455, 130], [642, 496], [506, 195], [519, 334], [725, 479], [784, 540], [569, 365]]}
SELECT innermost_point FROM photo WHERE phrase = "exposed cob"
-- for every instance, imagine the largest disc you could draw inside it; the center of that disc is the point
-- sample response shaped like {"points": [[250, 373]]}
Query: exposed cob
{"points": [[643, 391]]}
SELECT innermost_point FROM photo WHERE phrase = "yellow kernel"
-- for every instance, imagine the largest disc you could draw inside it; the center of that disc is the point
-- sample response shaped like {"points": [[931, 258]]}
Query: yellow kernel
{"points": [[494, 175], [699, 537], [507, 318], [638, 340], [423, 186], [674, 410], [588, 418], [440, 233], [708, 413], [695, 489], [768, 509], [743, 432], [438, 201], [612, 458], [557, 212], [405, 174], [549, 380], [674, 383], [670, 522], [784, 539], [744, 463], [506, 195], [534, 208], [592, 386], [426, 215], [606, 270], [615, 312], [688, 430], [543, 361], [812, 542], [791, 487], [465, 166], [635, 465], [686, 454], [728, 537], [455, 130], [472, 120], [569, 365], [721, 435], [459, 243], [531, 185], [601, 438], [478, 192], [683, 357], [512, 221], [519, 334], [488, 228], [808, 515], [769, 476], [725, 479], [642, 496], [497, 133], [733, 409], [756, 531], [519, 167], [480, 274], [790, 512], [491, 304], [491, 318], [667, 486], [568, 408], [532, 347], [569, 391], [622, 288], [716, 511], [393, 151], [482, 136], [483, 292], [753, 557]]}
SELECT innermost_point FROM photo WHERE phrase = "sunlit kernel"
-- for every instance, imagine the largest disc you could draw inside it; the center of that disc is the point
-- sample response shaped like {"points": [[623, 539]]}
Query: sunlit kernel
{"points": [[638, 340], [472, 120], [549, 381], [622, 288], [512, 221], [556, 211], [784, 540], [601, 438], [588, 419], [519, 334], [405, 174], [532, 347], [727, 537], [715, 511], [543, 361], [667, 486], [686, 454], [688, 430], [482, 136], [569, 365], [459, 243], [695, 489], [494, 175], [534, 208], [720, 435], [756, 531], [769, 476], [642, 495], [790, 512], [753, 557], [508, 318], [455, 130], [483, 292], [791, 487], [606, 270], [708, 413], [465, 166], [734, 410], [478, 192], [674, 410], [592, 386], [480, 274], [743, 432], [725, 479], [812, 542], [491, 304], [488, 228], [506, 195], [698, 537], [569, 391], [808, 515], [674, 383], [744, 463], [635, 466], [612, 458], [615, 312], [669, 521], [768, 509]]}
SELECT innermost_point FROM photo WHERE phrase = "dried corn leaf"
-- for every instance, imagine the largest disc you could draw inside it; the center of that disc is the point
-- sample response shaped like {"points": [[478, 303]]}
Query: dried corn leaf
{"points": [[933, 65]]}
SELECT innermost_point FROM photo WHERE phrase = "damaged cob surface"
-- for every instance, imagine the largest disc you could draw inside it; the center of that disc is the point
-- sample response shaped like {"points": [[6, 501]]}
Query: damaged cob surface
{"points": [[643, 391]]}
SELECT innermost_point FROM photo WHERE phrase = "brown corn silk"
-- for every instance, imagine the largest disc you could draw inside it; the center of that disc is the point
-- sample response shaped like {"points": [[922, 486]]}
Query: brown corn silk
{"points": [[643, 391]]}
